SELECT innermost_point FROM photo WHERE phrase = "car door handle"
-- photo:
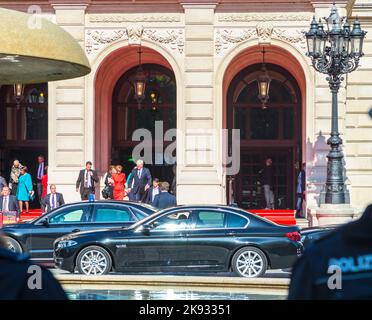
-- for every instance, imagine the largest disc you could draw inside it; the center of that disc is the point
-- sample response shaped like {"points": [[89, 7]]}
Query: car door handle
{"points": [[75, 230], [231, 233]]}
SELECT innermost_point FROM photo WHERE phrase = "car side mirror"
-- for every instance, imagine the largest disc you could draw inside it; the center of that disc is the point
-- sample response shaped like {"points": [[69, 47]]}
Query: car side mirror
{"points": [[146, 229], [45, 222]]}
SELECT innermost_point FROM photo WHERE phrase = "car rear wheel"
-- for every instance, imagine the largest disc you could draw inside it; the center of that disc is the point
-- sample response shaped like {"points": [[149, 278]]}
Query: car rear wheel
{"points": [[94, 260], [249, 262], [12, 245]]}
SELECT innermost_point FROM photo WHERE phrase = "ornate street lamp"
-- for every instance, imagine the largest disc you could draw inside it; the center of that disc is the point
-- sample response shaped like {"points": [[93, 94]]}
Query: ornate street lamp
{"points": [[335, 52], [19, 89], [263, 82], [139, 81]]}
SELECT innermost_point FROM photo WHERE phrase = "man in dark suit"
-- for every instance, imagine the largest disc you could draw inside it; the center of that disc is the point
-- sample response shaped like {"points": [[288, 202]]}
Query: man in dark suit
{"points": [[86, 180], [139, 181], [164, 199], [8, 202], [39, 177], [152, 192], [53, 199]]}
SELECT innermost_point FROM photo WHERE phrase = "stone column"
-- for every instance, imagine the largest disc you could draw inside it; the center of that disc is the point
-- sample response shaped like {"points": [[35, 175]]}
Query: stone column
{"points": [[67, 149], [199, 166]]}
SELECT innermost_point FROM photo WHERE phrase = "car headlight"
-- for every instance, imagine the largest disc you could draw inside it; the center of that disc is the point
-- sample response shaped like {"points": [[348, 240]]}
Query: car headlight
{"points": [[66, 243]]}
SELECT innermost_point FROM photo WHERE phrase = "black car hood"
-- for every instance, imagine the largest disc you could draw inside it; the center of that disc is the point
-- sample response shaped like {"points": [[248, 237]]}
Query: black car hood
{"points": [[15, 226]]}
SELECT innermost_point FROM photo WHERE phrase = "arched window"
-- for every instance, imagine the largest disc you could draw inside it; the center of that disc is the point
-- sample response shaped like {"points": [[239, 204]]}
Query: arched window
{"points": [[159, 103]]}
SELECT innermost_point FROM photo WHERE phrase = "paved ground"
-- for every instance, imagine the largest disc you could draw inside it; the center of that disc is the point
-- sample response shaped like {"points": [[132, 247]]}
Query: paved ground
{"points": [[269, 274]]}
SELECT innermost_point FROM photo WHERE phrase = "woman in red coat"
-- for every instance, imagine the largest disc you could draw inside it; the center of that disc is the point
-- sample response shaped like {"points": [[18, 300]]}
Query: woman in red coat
{"points": [[119, 182]]}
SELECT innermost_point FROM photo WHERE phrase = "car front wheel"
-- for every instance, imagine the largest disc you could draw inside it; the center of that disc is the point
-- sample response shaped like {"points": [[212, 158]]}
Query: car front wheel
{"points": [[249, 262], [12, 245], [94, 260]]}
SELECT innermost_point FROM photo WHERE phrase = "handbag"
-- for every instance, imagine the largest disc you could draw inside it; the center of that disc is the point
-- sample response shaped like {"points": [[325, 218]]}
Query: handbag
{"points": [[30, 197], [106, 192]]}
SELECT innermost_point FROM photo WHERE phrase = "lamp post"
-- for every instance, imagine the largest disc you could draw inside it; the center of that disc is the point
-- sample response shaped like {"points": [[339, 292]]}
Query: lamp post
{"points": [[335, 52]]}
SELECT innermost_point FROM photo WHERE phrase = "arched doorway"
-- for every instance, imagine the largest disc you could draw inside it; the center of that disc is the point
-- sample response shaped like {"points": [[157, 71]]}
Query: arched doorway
{"points": [[271, 132], [158, 107], [23, 128]]}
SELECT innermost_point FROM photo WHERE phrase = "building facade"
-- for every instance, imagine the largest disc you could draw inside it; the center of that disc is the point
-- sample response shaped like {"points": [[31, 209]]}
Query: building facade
{"points": [[202, 59]]}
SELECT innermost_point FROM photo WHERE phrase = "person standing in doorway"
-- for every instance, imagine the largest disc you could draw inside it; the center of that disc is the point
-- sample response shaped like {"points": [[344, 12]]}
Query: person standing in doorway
{"points": [[300, 191], [15, 172], [140, 181], [267, 177], [119, 182], [86, 180], [25, 193], [39, 177], [53, 199]]}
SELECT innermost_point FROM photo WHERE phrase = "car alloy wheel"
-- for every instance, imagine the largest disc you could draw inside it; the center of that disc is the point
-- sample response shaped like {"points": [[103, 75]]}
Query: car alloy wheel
{"points": [[249, 262], [94, 261]]}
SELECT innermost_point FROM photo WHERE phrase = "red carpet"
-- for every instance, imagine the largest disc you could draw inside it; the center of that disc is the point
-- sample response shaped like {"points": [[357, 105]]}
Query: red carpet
{"points": [[32, 214], [285, 217]]}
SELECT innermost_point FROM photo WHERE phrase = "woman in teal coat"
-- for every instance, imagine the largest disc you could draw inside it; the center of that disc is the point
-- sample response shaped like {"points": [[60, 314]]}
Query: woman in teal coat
{"points": [[24, 191]]}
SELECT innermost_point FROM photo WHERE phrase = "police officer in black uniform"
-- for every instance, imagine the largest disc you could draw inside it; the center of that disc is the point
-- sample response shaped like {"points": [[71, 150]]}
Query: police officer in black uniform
{"points": [[337, 266], [15, 282]]}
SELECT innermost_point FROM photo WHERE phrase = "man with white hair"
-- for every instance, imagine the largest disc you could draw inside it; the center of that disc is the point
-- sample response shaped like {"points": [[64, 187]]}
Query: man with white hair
{"points": [[139, 181]]}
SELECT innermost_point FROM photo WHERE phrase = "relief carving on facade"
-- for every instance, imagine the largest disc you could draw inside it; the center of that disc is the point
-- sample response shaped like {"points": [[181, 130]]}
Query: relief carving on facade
{"points": [[94, 18], [97, 39], [249, 17], [226, 38]]}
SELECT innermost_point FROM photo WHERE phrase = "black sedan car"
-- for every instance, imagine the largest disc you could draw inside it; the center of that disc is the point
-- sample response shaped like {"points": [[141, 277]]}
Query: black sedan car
{"points": [[310, 235], [184, 239], [37, 237]]}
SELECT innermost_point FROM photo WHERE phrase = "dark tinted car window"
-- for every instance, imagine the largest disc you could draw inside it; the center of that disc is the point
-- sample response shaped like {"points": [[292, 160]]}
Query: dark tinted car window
{"points": [[209, 219], [141, 215], [113, 214], [236, 221], [71, 215]]}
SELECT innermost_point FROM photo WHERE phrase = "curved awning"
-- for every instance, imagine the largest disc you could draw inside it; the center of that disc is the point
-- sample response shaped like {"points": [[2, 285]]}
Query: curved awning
{"points": [[37, 51]]}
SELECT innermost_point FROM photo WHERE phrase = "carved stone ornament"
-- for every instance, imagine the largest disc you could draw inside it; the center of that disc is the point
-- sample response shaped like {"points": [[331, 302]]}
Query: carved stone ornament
{"points": [[120, 18], [248, 17], [264, 32], [226, 37], [97, 39]]}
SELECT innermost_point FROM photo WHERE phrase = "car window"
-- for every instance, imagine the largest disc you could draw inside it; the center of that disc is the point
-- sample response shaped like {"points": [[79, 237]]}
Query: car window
{"points": [[113, 214], [139, 214], [236, 221], [172, 222], [72, 215], [208, 219]]}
